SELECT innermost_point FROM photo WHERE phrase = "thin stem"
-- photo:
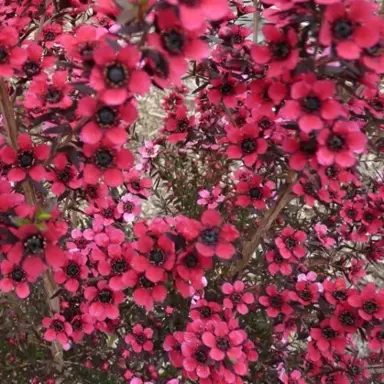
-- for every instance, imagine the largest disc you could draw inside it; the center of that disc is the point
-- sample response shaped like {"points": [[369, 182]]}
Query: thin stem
{"points": [[256, 20]]}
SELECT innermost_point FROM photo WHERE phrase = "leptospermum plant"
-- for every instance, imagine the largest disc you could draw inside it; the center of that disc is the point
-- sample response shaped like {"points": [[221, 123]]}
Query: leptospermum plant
{"points": [[241, 242]]}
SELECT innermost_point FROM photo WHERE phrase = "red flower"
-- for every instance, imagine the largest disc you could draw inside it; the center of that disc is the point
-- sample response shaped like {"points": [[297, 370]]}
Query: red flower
{"points": [[57, 329], [105, 121], [117, 74], [147, 293], [345, 319], [205, 311], [376, 339], [140, 339], [280, 53], [350, 27], [16, 277], [178, 125], [193, 13], [340, 144], [370, 304], [11, 56], [224, 342], [227, 90], [278, 264], [254, 192], [306, 293], [336, 291], [136, 184], [312, 103], [107, 162], [26, 162], [81, 324], [103, 301], [276, 302], [196, 360], [306, 188], [35, 63], [33, 242], [237, 298], [327, 338], [50, 33], [63, 175], [245, 144], [266, 93], [52, 94], [290, 243], [72, 271], [215, 237], [156, 256], [172, 344]]}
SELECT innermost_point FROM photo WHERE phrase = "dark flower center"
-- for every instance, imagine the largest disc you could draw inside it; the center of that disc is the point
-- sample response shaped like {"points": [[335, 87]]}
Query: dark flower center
{"points": [[119, 266], [210, 236], [49, 36], [370, 307], [26, 159], [31, 68], [278, 258], [53, 95], [86, 50], [201, 356], [223, 344], [205, 312], [380, 335], [351, 213], [103, 158], [156, 256], [64, 175], [339, 295], [368, 217], [191, 261], [18, 275], [106, 116], [309, 189], [329, 333], [140, 339], [290, 242], [226, 89], [116, 75], [332, 171], [309, 147], [311, 103], [335, 142], [342, 29], [240, 121], [128, 207], [73, 270], [105, 296], [81, 243], [276, 301], [182, 125], [347, 318], [355, 370], [256, 193], [57, 325], [377, 105], [265, 123], [281, 50], [248, 145], [108, 213], [237, 39], [136, 185], [145, 282], [173, 41], [77, 325], [3, 54], [305, 295], [34, 244], [236, 298]]}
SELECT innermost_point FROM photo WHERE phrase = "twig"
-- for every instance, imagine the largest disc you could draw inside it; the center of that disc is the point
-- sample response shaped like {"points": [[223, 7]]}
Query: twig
{"points": [[251, 246], [256, 20], [11, 129]]}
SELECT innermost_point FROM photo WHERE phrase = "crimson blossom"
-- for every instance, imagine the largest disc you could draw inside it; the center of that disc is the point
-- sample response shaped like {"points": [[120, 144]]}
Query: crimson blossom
{"points": [[191, 191]]}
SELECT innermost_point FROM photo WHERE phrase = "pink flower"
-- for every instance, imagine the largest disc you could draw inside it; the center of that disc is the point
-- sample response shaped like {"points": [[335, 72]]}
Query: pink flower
{"points": [[376, 339], [146, 293], [340, 144], [103, 301], [237, 299], [72, 271], [276, 302], [172, 344], [130, 207], [57, 329], [16, 277], [210, 199], [321, 233], [290, 243], [140, 339], [327, 338], [277, 263], [117, 73]]}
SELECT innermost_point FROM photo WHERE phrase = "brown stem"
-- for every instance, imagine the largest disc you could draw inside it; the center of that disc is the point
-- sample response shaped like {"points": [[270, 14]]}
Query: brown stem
{"points": [[256, 19], [251, 246], [11, 130]]}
